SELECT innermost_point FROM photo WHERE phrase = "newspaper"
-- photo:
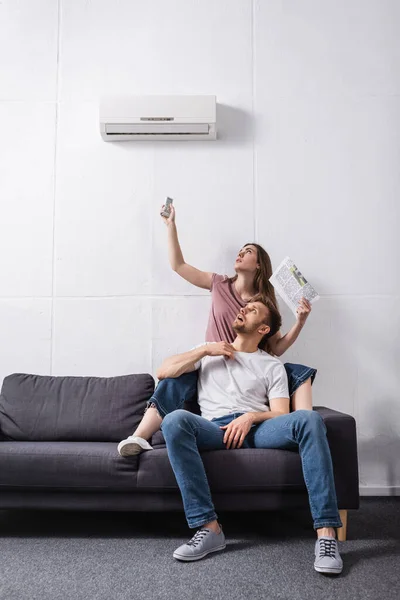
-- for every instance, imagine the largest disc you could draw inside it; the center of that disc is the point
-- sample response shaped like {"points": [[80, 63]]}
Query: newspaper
{"points": [[291, 285]]}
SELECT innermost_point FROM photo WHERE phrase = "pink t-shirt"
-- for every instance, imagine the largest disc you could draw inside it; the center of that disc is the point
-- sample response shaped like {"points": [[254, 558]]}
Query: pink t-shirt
{"points": [[225, 305]]}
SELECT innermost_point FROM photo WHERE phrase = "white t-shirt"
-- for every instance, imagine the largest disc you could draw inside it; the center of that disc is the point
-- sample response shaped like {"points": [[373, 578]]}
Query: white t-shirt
{"points": [[245, 383]]}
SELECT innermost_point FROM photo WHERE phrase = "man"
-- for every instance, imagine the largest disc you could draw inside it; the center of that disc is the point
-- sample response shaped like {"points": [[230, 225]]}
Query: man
{"points": [[244, 402]]}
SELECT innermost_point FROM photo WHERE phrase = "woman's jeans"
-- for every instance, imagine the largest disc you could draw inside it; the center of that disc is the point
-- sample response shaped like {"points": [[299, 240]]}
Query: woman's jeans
{"points": [[186, 433]]}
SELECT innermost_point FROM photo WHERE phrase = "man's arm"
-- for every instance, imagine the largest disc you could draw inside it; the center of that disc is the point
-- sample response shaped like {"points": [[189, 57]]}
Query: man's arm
{"points": [[175, 365], [237, 429], [278, 406]]}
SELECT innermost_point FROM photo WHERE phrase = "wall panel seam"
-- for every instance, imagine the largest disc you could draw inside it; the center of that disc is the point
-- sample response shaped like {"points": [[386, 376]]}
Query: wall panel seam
{"points": [[55, 189]]}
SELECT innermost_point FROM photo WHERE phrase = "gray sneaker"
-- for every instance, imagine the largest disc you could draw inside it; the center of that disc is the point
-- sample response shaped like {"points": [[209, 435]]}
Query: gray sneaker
{"points": [[327, 557], [202, 543]]}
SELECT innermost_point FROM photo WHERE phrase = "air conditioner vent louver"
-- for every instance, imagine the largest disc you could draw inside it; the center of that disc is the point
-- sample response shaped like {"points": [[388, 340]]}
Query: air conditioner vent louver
{"points": [[155, 133], [156, 129]]}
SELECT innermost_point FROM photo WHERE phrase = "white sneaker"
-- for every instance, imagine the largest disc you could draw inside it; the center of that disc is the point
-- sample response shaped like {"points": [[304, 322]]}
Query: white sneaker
{"points": [[133, 445]]}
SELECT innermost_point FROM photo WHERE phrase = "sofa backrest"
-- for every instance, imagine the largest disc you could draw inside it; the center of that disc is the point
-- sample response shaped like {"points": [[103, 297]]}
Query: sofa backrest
{"points": [[43, 408]]}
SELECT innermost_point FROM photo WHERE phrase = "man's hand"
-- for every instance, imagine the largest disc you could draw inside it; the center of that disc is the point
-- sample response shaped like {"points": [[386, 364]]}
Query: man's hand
{"points": [[221, 349], [303, 311], [237, 430]]}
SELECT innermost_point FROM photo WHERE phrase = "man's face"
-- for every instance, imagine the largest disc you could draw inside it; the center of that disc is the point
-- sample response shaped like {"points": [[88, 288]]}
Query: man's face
{"points": [[251, 318]]}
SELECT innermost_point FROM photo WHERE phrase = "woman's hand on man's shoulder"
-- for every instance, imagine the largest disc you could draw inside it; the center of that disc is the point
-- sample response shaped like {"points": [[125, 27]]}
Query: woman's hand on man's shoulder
{"points": [[221, 349]]}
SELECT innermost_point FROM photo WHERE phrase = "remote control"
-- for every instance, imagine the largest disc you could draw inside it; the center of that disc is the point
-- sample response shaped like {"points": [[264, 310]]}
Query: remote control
{"points": [[167, 208]]}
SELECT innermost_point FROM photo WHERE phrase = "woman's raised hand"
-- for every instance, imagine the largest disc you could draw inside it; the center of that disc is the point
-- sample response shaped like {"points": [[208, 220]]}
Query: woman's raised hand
{"points": [[303, 310], [171, 218]]}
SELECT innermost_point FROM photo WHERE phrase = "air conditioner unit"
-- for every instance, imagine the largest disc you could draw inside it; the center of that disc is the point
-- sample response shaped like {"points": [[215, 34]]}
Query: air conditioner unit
{"points": [[158, 118]]}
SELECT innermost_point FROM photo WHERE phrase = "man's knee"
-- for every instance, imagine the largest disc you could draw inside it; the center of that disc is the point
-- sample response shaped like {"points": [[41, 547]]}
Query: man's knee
{"points": [[174, 419], [309, 418]]}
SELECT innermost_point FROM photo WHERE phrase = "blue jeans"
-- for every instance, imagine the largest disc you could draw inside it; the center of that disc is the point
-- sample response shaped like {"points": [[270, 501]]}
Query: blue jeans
{"points": [[298, 374], [186, 434]]}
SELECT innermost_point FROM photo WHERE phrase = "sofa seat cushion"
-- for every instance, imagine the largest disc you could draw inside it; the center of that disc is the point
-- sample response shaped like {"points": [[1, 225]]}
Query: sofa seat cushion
{"points": [[88, 409], [65, 466], [228, 470]]}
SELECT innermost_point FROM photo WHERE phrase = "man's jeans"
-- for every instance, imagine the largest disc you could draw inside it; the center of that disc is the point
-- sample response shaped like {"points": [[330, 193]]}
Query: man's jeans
{"points": [[186, 433]]}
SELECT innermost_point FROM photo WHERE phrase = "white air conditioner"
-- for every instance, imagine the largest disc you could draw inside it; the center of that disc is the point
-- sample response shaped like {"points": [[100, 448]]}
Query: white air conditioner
{"points": [[158, 118]]}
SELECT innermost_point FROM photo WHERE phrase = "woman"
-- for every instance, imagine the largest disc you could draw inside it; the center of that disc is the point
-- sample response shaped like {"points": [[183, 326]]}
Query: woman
{"points": [[229, 294]]}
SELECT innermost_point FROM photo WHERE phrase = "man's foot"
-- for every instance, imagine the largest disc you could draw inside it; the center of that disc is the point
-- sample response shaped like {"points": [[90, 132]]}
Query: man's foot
{"points": [[133, 445], [202, 543], [327, 557]]}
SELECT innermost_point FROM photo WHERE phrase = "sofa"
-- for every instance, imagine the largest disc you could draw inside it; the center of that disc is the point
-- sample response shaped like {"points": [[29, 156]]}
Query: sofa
{"points": [[58, 450]]}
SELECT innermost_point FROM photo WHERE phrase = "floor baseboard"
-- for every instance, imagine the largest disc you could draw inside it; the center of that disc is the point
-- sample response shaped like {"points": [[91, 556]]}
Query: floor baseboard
{"points": [[379, 490]]}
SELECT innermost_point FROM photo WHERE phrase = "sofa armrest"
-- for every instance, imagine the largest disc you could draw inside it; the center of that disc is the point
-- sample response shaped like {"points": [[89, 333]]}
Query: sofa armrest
{"points": [[342, 439]]}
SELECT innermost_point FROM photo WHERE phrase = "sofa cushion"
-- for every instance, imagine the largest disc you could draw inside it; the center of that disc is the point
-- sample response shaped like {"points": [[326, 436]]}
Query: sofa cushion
{"points": [[43, 408], [245, 469], [65, 466]]}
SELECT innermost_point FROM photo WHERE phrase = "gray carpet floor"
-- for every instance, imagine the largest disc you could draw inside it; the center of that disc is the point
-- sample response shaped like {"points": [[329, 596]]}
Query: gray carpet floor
{"points": [[118, 556]]}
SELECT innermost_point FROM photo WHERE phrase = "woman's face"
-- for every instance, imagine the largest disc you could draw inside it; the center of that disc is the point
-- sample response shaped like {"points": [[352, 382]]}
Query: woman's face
{"points": [[247, 259]]}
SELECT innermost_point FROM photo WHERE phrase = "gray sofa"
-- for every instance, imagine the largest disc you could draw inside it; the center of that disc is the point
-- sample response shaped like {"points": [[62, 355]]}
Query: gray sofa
{"points": [[58, 450]]}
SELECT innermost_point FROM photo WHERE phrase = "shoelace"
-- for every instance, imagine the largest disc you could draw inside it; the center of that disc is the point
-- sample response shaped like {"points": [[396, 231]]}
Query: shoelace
{"points": [[198, 536], [327, 548]]}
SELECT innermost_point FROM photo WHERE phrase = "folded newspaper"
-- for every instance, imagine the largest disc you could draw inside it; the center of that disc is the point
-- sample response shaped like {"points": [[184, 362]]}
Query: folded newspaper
{"points": [[291, 285]]}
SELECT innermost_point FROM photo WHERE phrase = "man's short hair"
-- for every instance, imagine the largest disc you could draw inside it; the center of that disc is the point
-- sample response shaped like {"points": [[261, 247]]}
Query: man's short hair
{"points": [[273, 318]]}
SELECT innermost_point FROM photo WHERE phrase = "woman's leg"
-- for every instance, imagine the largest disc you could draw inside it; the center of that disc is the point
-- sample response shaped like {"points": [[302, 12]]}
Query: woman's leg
{"points": [[170, 394], [300, 379], [150, 423], [302, 398]]}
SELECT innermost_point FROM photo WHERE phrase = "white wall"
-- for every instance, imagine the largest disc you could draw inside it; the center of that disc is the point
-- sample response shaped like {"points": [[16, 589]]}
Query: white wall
{"points": [[307, 164]]}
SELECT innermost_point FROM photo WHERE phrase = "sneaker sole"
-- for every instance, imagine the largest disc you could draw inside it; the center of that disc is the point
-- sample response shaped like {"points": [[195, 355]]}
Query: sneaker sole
{"points": [[329, 571], [199, 556], [130, 449]]}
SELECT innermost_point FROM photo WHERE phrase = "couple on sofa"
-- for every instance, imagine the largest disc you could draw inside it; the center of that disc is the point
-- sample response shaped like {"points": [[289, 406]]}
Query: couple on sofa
{"points": [[245, 396]]}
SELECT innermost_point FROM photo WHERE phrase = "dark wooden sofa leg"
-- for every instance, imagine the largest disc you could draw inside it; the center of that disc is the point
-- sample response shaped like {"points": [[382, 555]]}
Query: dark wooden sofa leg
{"points": [[342, 531]]}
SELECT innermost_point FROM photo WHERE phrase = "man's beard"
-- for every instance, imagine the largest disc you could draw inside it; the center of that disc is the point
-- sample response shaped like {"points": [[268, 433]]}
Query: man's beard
{"points": [[243, 328]]}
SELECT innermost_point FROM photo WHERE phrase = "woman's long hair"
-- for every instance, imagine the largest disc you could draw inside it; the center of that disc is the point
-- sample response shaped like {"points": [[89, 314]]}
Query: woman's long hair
{"points": [[261, 283], [263, 287]]}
